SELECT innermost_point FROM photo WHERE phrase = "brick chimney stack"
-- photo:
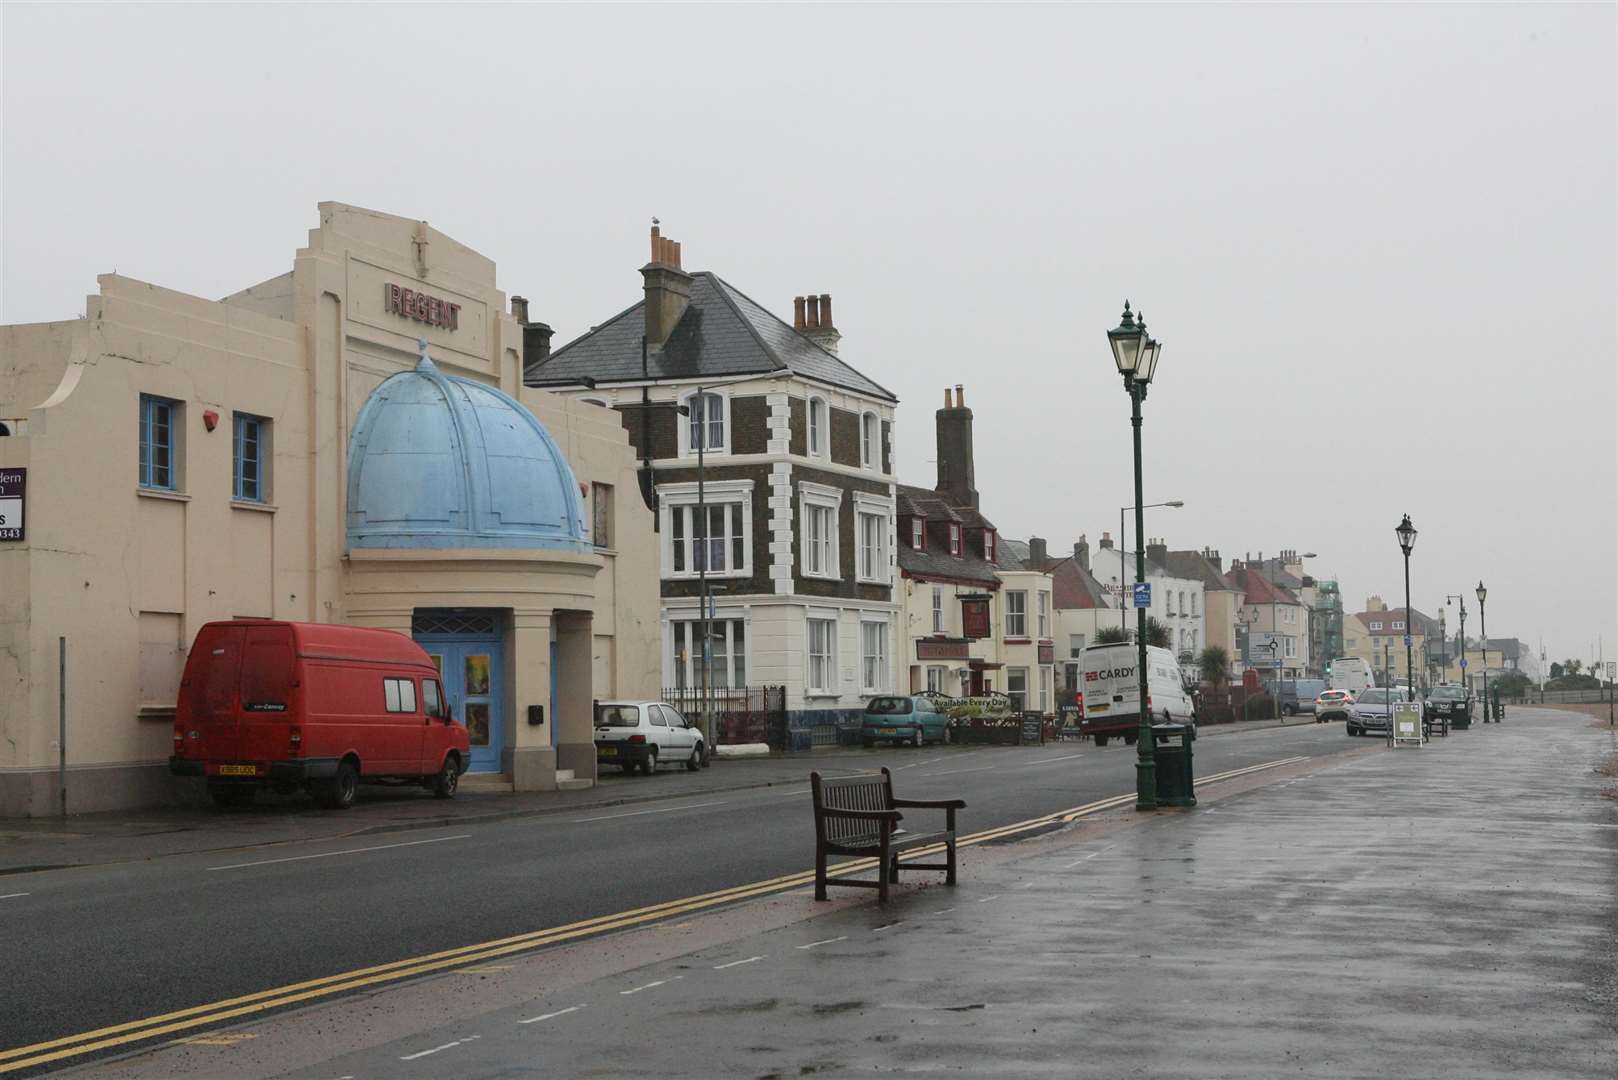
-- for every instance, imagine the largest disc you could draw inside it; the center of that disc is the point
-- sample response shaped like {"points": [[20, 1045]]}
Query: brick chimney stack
{"points": [[519, 308], [1036, 553], [668, 288], [1106, 541], [956, 475], [811, 317], [1081, 551]]}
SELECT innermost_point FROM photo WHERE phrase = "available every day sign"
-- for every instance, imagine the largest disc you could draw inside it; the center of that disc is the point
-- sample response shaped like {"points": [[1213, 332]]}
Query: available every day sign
{"points": [[12, 485]]}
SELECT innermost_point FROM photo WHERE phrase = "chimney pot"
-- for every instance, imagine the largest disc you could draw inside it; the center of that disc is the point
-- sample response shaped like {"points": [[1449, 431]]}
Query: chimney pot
{"points": [[812, 302], [675, 244], [960, 396], [949, 402], [798, 322], [657, 245], [825, 312], [519, 308]]}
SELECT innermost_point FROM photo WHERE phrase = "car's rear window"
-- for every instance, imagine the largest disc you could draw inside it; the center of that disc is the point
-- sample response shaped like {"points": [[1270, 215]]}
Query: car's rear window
{"points": [[889, 706], [618, 716], [1372, 697]]}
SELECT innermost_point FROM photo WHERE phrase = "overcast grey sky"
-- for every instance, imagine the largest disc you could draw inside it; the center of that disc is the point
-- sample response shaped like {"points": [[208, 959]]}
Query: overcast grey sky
{"points": [[1378, 242]]}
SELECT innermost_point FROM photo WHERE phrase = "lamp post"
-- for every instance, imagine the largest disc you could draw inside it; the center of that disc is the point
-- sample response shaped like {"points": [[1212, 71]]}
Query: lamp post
{"points": [[1462, 601], [1123, 546], [1483, 643], [697, 416], [1443, 648], [1136, 356], [1407, 540]]}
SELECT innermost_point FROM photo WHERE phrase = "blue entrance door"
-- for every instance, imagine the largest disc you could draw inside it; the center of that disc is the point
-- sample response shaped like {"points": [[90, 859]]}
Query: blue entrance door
{"points": [[467, 651]]}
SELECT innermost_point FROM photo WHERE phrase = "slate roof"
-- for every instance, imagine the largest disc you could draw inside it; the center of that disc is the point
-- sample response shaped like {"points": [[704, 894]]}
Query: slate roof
{"points": [[936, 563], [1258, 590], [723, 332], [1422, 624], [1193, 566]]}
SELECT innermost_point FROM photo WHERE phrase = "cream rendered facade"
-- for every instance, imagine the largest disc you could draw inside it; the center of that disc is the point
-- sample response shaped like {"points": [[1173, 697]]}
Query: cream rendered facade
{"points": [[930, 609], [1025, 671], [127, 572]]}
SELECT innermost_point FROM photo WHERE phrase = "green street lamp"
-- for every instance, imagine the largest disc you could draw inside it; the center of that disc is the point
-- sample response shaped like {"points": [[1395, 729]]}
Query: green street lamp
{"points": [[1136, 355], [1483, 646], [1407, 540]]}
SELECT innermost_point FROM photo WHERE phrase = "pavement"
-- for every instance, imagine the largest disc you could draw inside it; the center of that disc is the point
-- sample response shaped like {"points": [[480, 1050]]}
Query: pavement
{"points": [[123, 836], [1447, 911]]}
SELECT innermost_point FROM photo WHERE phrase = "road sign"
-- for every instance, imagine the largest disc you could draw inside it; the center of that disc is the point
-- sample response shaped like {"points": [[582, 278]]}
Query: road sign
{"points": [[1463, 665], [1143, 594], [1407, 641]]}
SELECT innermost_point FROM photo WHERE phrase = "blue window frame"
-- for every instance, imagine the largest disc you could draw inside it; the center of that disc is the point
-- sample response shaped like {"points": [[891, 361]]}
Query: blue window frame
{"points": [[157, 442], [250, 464]]}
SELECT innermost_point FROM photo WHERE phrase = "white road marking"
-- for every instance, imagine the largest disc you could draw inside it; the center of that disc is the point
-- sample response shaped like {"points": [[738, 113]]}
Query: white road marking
{"points": [[436, 1049], [1023, 885], [887, 926], [953, 772], [944, 911], [14, 895], [638, 813], [1052, 761], [348, 851], [986, 899], [736, 963], [648, 986], [828, 941], [551, 1015]]}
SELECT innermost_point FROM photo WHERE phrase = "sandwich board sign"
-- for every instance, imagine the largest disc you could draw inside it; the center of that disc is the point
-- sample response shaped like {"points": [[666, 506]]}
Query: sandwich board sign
{"points": [[1406, 730]]}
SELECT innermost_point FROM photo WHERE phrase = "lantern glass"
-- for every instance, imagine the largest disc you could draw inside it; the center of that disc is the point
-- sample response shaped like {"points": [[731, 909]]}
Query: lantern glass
{"points": [[1482, 592], [1127, 341], [1407, 534]]}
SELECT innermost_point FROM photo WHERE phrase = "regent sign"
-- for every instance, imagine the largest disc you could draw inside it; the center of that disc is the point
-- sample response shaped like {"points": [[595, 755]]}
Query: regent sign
{"points": [[419, 306]]}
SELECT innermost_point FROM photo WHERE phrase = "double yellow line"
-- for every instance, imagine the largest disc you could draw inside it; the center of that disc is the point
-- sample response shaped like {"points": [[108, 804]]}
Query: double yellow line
{"points": [[43, 1053]]}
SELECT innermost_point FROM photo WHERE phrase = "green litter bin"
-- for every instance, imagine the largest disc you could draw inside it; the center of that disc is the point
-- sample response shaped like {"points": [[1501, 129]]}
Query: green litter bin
{"points": [[1173, 756]]}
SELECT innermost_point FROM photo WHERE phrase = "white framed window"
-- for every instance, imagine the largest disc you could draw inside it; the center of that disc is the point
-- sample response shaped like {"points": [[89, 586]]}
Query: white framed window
{"points": [[1075, 645], [817, 529], [955, 540], [871, 529], [1044, 614], [705, 422], [870, 441], [1044, 689], [723, 544], [1398, 624], [989, 545], [1168, 601], [1193, 603], [1376, 626], [727, 652], [819, 440], [1183, 609], [1017, 687], [936, 678], [938, 609], [820, 640], [873, 656], [918, 534], [1016, 613]]}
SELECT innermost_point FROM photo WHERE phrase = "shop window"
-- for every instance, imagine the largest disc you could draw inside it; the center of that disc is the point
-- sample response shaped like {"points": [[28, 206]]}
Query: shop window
{"points": [[160, 442], [251, 458]]}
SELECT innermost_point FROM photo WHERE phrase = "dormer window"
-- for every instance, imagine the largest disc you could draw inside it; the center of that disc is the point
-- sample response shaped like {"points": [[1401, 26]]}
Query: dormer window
{"points": [[955, 541], [988, 545], [918, 534]]}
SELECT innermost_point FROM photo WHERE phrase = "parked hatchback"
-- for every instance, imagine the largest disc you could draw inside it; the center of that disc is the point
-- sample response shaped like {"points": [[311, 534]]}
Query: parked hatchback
{"points": [[914, 720], [1333, 705], [1372, 711], [645, 734]]}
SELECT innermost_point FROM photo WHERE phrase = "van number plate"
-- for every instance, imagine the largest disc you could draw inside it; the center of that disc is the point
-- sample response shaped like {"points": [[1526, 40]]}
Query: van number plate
{"points": [[238, 770]]}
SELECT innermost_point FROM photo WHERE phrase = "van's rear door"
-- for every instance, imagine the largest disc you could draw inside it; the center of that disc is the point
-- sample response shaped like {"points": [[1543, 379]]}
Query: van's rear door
{"points": [[267, 686], [1111, 685], [209, 689]]}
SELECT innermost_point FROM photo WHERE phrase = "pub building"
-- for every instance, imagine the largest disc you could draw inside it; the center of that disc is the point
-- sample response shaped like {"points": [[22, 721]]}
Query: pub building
{"points": [[347, 442]]}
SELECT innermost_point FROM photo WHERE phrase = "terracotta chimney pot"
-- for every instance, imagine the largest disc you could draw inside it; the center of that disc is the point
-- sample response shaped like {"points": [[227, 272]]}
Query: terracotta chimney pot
{"points": [[797, 314], [825, 311], [813, 304]]}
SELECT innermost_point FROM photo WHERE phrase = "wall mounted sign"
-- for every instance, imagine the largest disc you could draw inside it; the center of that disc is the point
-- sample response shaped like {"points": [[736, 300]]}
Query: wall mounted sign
{"points": [[1047, 654], [13, 482], [414, 304], [941, 650], [975, 616]]}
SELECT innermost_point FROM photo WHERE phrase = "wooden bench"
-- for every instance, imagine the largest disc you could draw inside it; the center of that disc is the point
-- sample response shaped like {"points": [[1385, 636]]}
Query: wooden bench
{"points": [[858, 815]]}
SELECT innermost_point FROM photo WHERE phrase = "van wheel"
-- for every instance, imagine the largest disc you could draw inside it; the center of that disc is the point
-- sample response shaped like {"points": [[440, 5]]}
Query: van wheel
{"points": [[231, 796], [1129, 740], [649, 766], [1101, 740], [448, 778], [338, 792]]}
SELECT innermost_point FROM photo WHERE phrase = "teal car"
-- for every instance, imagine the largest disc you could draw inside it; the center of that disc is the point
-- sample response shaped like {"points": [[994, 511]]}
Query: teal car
{"points": [[914, 720]]}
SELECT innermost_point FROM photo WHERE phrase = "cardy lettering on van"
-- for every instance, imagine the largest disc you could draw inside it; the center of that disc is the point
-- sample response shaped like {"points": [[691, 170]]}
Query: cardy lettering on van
{"points": [[1109, 673]]}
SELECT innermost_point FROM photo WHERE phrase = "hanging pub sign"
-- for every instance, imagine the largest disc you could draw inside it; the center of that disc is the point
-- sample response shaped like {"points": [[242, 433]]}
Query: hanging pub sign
{"points": [[1047, 654], [12, 485], [975, 616]]}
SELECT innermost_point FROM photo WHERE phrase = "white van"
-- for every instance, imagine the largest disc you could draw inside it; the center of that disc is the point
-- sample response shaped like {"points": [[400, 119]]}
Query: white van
{"points": [[1350, 673], [1110, 690]]}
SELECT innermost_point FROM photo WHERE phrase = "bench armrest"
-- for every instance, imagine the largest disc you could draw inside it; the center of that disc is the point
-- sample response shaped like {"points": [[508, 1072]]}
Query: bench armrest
{"points": [[932, 804], [862, 815]]}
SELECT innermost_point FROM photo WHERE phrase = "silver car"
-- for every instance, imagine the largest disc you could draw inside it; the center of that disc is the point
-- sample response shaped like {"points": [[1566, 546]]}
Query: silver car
{"points": [[1372, 711]]}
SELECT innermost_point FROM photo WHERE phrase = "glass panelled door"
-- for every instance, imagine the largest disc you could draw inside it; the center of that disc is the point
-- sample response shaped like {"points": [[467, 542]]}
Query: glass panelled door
{"points": [[466, 648]]}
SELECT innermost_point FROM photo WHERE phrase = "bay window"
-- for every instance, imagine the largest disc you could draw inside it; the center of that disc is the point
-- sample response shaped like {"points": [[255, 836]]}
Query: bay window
{"points": [[1044, 615], [1016, 614]]}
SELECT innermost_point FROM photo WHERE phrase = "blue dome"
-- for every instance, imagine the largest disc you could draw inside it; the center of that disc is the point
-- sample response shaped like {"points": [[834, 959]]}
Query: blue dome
{"points": [[436, 461]]}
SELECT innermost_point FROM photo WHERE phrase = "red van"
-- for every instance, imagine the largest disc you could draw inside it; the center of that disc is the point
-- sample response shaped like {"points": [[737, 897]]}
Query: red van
{"points": [[312, 705]]}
